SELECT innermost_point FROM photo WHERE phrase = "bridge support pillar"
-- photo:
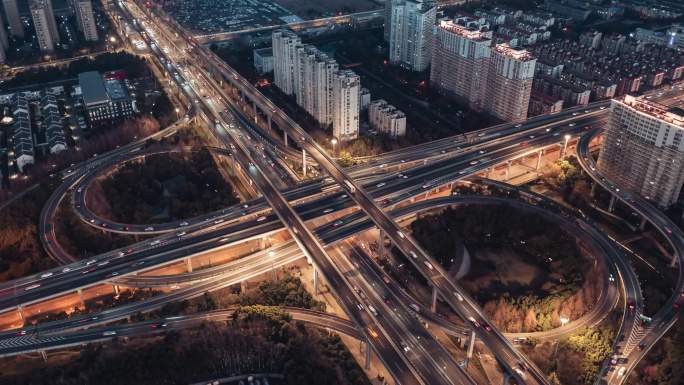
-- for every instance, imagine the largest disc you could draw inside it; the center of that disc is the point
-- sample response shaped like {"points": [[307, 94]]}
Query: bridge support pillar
{"points": [[43, 354], [20, 310], [315, 281], [188, 264], [304, 162], [506, 378], [471, 346], [433, 303], [80, 296], [268, 120], [256, 113], [593, 189], [539, 158], [642, 225], [117, 291], [285, 138], [508, 169], [381, 243], [611, 205]]}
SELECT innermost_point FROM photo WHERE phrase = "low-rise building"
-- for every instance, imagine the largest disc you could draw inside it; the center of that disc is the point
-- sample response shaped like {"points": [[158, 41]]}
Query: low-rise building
{"points": [[22, 137], [52, 124], [104, 99], [263, 60], [386, 118]]}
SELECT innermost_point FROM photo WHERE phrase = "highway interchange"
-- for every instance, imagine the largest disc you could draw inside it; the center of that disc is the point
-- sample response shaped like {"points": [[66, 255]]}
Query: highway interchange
{"points": [[440, 163]]}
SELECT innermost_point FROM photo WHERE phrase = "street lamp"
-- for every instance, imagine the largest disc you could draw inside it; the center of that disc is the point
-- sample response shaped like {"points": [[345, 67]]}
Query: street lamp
{"points": [[334, 142], [565, 146], [564, 320]]}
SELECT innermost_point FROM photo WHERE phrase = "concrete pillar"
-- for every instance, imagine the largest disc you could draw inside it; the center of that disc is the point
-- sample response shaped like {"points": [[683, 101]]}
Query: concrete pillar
{"points": [[642, 225], [508, 169], [611, 205], [116, 290], [433, 303], [43, 354], [471, 346], [188, 264], [506, 378], [381, 243], [285, 137], [268, 119], [593, 189], [539, 158], [315, 278], [304, 162], [80, 296], [368, 356], [256, 113], [20, 310], [262, 243], [243, 286]]}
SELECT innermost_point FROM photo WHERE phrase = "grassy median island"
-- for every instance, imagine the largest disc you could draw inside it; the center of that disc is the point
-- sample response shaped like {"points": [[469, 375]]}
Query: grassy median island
{"points": [[162, 188], [525, 271]]}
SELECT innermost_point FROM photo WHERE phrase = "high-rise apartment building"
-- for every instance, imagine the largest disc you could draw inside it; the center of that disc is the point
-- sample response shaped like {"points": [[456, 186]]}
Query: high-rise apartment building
{"points": [[510, 74], [314, 83], [44, 24], [497, 79], [85, 19], [330, 96], [13, 19], [460, 56], [411, 25], [643, 149], [285, 44], [386, 118], [346, 105], [4, 41]]}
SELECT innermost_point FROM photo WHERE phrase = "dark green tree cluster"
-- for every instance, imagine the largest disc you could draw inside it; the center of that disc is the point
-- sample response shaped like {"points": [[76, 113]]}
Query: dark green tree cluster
{"points": [[288, 291], [194, 184], [595, 345], [134, 65]]}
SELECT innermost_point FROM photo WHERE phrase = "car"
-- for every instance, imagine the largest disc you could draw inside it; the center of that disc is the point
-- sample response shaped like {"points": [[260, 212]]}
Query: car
{"points": [[112, 274], [481, 152], [458, 296], [21, 333], [518, 125], [428, 265], [337, 223], [404, 346], [261, 219], [216, 222], [426, 185], [621, 371], [630, 304], [473, 162], [572, 124], [474, 322], [35, 286], [183, 224], [46, 275], [91, 262], [380, 184], [103, 263], [611, 278], [182, 233], [109, 333], [327, 211], [66, 270], [401, 235], [487, 327], [155, 243], [159, 325], [149, 228]]}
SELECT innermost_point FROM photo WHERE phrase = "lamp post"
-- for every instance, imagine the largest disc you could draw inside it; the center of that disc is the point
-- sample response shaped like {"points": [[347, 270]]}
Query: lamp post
{"points": [[334, 142], [565, 146]]}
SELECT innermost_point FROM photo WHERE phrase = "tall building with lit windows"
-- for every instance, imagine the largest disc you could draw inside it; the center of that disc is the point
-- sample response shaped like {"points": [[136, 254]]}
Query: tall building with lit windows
{"points": [[460, 55], [410, 33], [4, 41], [85, 19], [346, 105], [13, 19], [510, 74], [44, 24], [643, 149]]}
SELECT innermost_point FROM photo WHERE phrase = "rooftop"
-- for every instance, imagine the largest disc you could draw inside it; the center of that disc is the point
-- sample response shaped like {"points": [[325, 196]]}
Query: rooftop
{"points": [[93, 88], [672, 115], [467, 31], [513, 53]]}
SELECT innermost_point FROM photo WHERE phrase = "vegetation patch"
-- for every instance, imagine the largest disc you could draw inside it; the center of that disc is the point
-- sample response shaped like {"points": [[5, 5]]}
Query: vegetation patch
{"points": [[527, 272], [163, 188]]}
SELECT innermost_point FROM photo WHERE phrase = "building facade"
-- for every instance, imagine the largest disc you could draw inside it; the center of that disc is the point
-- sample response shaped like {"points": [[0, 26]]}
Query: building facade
{"points": [[104, 99], [263, 60], [44, 24], [285, 44], [85, 19], [460, 56], [411, 33], [643, 149], [386, 118], [13, 19], [346, 105]]}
